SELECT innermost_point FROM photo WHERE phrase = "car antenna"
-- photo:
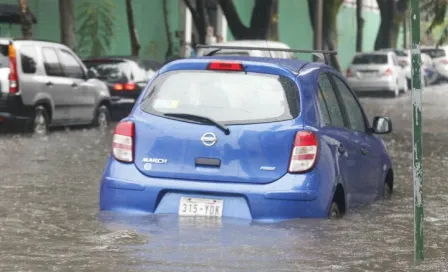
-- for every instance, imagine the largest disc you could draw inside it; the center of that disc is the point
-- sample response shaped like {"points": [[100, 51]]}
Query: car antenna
{"points": [[267, 45]]}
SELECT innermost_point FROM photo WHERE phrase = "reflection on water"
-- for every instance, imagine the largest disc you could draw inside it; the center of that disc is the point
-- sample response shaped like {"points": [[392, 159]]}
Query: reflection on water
{"points": [[49, 218]]}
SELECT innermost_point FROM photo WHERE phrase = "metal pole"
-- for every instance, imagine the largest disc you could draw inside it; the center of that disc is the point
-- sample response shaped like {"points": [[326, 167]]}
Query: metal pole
{"points": [[318, 25], [417, 130]]}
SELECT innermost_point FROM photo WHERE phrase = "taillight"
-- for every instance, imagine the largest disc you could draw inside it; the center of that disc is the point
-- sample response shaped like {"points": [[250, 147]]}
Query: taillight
{"points": [[444, 61], [388, 72], [118, 87], [13, 75], [349, 73], [130, 86], [123, 142], [304, 152], [225, 66]]}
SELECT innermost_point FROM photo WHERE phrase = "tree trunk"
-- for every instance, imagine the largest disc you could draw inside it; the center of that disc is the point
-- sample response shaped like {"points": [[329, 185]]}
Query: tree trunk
{"points": [[26, 20], [273, 24], [169, 39], [135, 44], [259, 24], [67, 21], [359, 26], [392, 14], [200, 18]]}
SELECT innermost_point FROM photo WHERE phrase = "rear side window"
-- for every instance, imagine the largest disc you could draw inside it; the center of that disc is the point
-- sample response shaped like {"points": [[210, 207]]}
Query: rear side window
{"points": [[370, 59], [111, 70], [331, 101], [71, 66], [51, 62], [229, 98], [434, 53], [4, 60], [28, 59]]}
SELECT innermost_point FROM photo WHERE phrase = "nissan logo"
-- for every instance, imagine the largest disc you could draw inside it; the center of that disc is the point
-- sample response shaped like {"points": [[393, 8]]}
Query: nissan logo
{"points": [[209, 139]]}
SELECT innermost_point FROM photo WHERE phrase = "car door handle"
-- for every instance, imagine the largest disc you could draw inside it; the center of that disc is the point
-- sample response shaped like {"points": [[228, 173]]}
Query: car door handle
{"points": [[74, 85], [364, 151], [341, 149], [49, 83]]}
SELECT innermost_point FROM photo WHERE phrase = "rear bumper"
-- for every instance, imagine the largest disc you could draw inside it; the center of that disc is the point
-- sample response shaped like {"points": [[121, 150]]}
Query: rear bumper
{"points": [[12, 109], [125, 189], [374, 84]]}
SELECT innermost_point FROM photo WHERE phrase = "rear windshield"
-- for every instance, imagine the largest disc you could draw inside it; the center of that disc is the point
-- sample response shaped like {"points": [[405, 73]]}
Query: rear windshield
{"points": [[229, 98], [4, 60], [434, 53], [370, 59], [110, 70]]}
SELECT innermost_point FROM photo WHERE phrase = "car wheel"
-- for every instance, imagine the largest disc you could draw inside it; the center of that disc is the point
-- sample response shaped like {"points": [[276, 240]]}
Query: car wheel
{"points": [[102, 118], [40, 121], [397, 91], [335, 212], [387, 191]]}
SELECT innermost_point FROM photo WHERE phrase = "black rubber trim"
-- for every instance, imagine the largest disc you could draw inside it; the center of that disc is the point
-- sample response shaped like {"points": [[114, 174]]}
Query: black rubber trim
{"points": [[208, 162]]}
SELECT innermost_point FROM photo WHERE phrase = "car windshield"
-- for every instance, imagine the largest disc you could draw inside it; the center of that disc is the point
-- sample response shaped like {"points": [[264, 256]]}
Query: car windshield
{"points": [[110, 70], [434, 53], [228, 98], [4, 60], [370, 59]]}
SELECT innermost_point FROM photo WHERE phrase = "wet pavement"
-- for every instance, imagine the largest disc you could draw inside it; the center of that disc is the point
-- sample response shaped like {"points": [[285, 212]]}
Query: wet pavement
{"points": [[49, 218]]}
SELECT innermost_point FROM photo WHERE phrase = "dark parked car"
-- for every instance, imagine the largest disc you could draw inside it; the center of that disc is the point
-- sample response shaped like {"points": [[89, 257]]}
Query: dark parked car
{"points": [[125, 76]]}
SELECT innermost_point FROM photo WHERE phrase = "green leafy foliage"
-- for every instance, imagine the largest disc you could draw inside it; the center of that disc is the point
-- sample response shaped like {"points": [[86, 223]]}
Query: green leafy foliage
{"points": [[96, 20], [435, 11]]}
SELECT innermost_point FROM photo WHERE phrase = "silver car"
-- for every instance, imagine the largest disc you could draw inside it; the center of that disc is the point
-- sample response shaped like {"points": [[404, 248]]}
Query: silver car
{"points": [[45, 84], [376, 71]]}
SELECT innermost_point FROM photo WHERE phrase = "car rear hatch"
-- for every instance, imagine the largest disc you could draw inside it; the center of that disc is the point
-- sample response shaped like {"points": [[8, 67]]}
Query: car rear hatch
{"points": [[120, 77], [369, 66], [218, 125]]}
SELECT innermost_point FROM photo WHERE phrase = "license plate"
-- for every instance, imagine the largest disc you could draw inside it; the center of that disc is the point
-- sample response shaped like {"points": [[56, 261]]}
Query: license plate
{"points": [[200, 207], [369, 74]]}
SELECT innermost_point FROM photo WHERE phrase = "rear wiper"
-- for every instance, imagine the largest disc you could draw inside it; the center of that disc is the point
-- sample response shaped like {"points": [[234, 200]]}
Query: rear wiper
{"points": [[202, 119]]}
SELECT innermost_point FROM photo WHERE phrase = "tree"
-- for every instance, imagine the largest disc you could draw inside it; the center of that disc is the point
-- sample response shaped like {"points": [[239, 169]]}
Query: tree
{"points": [[273, 24], [329, 35], [170, 48], [67, 21], [26, 20], [135, 44], [359, 26], [392, 15], [97, 26], [200, 17], [259, 23], [435, 12]]}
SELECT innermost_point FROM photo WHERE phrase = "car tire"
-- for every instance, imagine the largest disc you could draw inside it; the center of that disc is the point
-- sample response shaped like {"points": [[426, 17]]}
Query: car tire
{"points": [[102, 118], [397, 91], [40, 122], [387, 191], [334, 212]]}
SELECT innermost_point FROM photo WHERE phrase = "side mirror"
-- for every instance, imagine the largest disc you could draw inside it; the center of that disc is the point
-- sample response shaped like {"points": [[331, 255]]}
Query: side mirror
{"points": [[382, 125], [92, 74]]}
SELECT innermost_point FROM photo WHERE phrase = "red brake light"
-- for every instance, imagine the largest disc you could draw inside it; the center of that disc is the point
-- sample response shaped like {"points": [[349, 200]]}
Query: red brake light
{"points": [[349, 73], [225, 66], [444, 61], [123, 142], [130, 86], [388, 72], [118, 87], [13, 75], [304, 152]]}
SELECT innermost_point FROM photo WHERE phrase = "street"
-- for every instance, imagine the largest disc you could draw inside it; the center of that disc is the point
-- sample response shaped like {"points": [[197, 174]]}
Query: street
{"points": [[49, 218]]}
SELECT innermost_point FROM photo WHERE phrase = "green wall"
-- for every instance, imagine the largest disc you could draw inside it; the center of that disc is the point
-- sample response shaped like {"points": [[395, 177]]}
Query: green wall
{"points": [[294, 25]]}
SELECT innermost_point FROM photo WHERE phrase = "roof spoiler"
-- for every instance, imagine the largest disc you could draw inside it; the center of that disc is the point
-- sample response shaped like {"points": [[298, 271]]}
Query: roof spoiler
{"points": [[321, 54]]}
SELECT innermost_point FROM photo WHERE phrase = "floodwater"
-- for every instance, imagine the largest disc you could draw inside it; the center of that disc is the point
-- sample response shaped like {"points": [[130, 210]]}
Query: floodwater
{"points": [[49, 219]]}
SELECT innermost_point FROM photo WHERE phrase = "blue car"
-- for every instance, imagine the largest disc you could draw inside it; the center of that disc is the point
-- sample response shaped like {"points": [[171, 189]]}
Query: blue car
{"points": [[262, 139]]}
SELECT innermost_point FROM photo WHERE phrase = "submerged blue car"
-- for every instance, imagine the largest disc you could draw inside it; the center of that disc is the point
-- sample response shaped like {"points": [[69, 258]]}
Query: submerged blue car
{"points": [[247, 137]]}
